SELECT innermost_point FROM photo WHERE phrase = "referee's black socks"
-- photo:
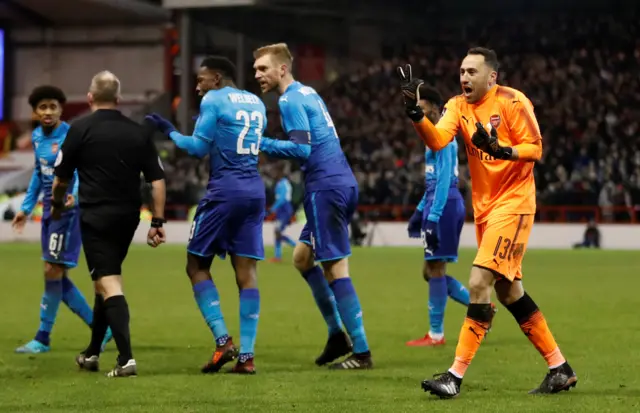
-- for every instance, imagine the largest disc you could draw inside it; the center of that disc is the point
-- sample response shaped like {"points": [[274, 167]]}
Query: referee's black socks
{"points": [[117, 312], [98, 327]]}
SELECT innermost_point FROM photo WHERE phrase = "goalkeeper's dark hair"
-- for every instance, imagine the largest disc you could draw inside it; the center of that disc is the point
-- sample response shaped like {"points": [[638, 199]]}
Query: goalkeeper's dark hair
{"points": [[490, 56], [46, 92], [431, 95], [221, 65]]}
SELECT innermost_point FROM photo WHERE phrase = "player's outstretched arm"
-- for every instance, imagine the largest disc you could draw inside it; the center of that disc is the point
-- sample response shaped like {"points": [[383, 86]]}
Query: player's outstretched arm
{"points": [[193, 145], [430, 135], [33, 192], [285, 149]]}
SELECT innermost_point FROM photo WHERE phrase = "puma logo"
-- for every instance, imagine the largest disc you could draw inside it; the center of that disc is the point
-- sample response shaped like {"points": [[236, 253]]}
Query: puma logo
{"points": [[475, 333]]}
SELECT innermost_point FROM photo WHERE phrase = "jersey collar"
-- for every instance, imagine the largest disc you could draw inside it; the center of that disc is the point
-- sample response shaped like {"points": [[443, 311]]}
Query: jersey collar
{"points": [[488, 96]]}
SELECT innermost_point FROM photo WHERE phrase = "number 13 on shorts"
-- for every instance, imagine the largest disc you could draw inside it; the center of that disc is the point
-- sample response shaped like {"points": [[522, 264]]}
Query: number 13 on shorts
{"points": [[502, 242]]}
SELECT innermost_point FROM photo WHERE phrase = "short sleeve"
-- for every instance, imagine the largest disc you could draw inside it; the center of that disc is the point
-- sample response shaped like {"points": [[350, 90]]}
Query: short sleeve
{"points": [[152, 164]]}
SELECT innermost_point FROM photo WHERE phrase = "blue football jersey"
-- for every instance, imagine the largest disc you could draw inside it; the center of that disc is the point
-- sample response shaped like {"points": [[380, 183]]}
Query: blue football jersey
{"points": [[306, 120], [232, 122], [441, 178], [45, 149], [283, 192]]}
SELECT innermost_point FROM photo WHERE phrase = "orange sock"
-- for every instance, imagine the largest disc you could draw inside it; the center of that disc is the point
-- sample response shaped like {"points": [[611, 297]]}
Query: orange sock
{"points": [[537, 331], [471, 336]]}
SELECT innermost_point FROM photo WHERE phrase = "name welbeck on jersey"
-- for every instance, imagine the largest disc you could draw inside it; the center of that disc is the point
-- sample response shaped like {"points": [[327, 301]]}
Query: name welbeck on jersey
{"points": [[244, 98], [477, 153]]}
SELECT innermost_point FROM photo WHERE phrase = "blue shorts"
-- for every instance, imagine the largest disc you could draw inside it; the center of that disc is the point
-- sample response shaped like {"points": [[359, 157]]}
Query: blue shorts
{"points": [[450, 228], [283, 217], [329, 214], [61, 240], [230, 226]]}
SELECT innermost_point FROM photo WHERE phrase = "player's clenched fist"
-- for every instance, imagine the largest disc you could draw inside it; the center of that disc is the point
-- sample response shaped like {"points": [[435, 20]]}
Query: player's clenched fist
{"points": [[489, 143], [410, 92]]}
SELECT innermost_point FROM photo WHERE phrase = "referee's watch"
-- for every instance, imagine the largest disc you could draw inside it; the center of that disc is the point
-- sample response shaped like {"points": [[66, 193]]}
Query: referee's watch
{"points": [[157, 222]]}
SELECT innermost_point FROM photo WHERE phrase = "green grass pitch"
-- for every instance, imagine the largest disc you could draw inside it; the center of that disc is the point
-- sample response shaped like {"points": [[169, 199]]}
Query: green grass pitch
{"points": [[590, 299]]}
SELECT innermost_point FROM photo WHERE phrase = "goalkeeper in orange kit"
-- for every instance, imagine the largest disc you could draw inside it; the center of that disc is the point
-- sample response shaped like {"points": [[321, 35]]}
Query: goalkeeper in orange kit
{"points": [[503, 141]]}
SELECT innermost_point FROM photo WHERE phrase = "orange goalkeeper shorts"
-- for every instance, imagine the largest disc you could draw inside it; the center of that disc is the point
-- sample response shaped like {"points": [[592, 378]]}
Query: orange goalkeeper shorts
{"points": [[502, 241]]}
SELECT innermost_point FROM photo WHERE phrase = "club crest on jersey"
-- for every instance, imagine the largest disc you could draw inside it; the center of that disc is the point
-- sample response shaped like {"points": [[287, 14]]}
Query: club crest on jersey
{"points": [[54, 148], [494, 120]]}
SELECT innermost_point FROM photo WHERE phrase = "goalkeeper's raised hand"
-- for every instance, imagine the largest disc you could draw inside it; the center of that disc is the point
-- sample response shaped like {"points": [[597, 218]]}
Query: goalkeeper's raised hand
{"points": [[489, 143], [410, 93]]}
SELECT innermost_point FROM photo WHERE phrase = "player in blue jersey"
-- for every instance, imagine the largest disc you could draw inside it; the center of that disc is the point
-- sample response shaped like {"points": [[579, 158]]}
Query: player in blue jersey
{"points": [[229, 218], [331, 197], [438, 220], [283, 210], [439, 216], [60, 240]]}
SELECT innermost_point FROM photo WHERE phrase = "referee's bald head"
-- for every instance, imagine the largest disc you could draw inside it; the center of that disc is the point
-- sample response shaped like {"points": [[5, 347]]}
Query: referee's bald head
{"points": [[105, 88]]}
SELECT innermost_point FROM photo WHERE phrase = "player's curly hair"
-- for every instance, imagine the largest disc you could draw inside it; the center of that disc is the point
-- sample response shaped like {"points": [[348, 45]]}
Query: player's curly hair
{"points": [[430, 94], [46, 92], [220, 64]]}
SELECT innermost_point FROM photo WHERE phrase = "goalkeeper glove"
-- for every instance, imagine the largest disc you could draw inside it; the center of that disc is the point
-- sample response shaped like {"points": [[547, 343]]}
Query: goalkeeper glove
{"points": [[490, 144], [411, 93]]}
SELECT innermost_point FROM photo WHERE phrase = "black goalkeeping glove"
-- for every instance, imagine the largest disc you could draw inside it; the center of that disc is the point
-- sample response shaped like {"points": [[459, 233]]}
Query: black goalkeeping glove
{"points": [[490, 144], [411, 93]]}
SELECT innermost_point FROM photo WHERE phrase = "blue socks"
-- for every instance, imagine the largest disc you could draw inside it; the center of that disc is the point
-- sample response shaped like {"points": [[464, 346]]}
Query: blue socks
{"points": [[49, 309], [457, 291], [351, 313], [289, 241], [438, 296], [208, 299], [278, 247], [76, 302], [249, 314], [278, 244], [325, 299]]}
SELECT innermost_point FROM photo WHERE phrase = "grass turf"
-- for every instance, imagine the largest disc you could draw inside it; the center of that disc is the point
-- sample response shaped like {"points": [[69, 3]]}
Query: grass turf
{"points": [[590, 299]]}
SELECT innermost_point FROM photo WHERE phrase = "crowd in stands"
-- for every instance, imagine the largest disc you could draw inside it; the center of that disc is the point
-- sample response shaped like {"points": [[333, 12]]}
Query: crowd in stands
{"points": [[581, 73]]}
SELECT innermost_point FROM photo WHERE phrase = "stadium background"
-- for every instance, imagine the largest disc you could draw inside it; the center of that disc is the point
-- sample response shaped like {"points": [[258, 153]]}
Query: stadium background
{"points": [[578, 64], [577, 61]]}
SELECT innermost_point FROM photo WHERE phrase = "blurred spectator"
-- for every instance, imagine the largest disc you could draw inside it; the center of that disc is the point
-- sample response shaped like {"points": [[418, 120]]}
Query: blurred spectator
{"points": [[591, 237], [580, 73]]}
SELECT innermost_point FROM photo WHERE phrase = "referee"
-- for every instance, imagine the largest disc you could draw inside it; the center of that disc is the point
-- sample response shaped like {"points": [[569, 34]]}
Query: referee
{"points": [[109, 151]]}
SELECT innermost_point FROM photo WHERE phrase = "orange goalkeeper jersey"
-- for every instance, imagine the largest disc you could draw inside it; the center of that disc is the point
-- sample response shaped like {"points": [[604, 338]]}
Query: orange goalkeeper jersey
{"points": [[498, 186]]}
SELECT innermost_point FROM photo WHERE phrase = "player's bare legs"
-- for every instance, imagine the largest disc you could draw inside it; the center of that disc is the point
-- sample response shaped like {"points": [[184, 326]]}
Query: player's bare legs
{"points": [[247, 281], [337, 274], [534, 325], [338, 344], [208, 300]]}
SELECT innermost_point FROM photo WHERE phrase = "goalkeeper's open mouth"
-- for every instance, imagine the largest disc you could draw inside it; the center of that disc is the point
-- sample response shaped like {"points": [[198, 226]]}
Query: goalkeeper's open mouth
{"points": [[467, 90]]}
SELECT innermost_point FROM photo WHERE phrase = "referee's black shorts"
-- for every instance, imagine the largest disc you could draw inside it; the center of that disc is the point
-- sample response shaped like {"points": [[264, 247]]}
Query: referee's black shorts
{"points": [[106, 237]]}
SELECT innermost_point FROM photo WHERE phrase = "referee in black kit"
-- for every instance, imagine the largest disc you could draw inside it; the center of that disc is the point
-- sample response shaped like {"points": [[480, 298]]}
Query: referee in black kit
{"points": [[109, 152]]}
